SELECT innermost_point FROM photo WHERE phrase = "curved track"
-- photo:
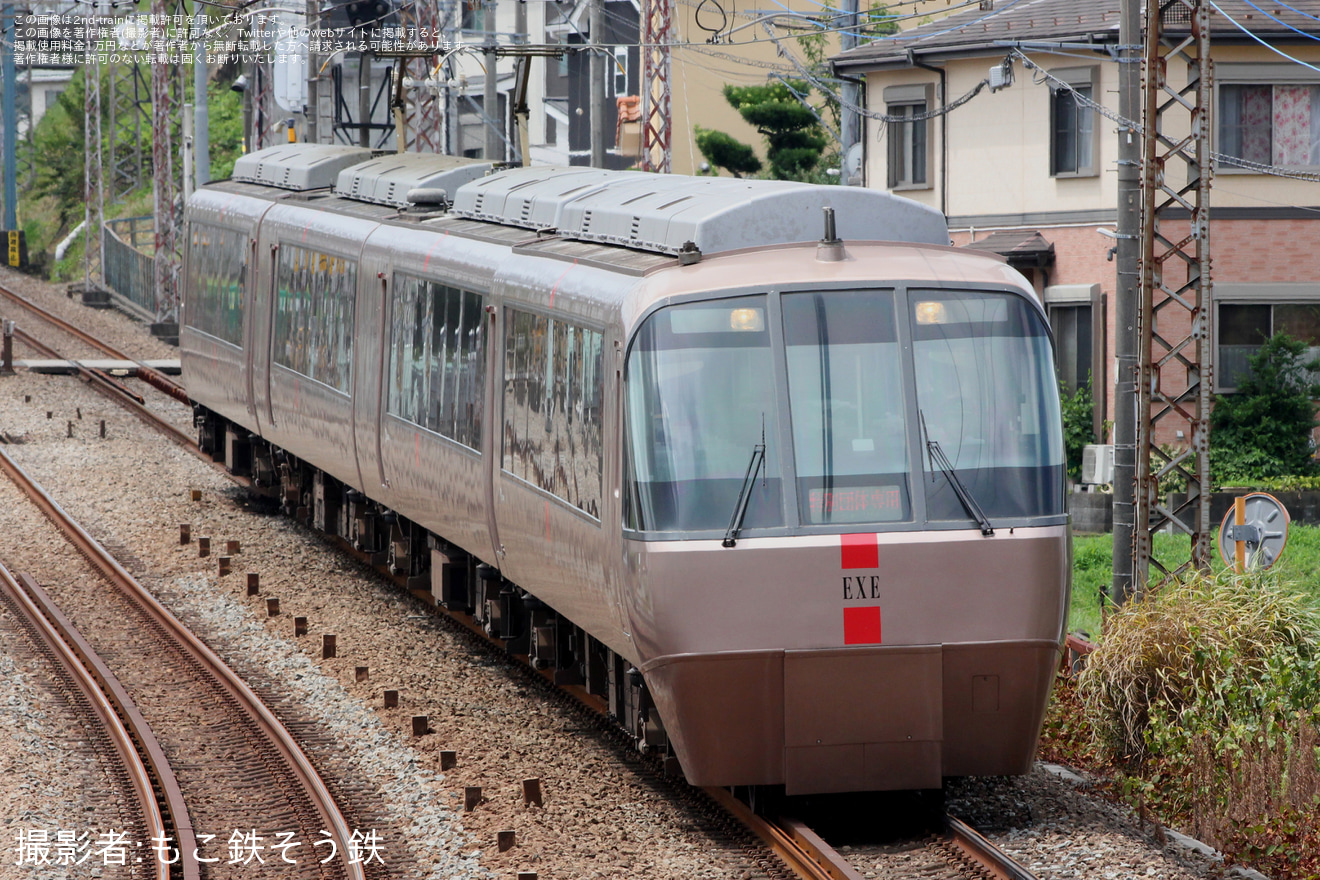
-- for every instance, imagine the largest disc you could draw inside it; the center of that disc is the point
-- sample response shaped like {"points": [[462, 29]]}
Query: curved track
{"points": [[140, 761], [804, 853], [294, 761]]}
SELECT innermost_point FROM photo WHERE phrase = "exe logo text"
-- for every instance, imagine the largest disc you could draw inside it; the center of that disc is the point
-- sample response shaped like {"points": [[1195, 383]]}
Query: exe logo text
{"points": [[861, 586]]}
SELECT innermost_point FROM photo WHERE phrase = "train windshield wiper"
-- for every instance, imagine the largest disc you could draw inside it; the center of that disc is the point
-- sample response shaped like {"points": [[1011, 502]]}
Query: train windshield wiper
{"points": [[745, 495], [940, 460]]}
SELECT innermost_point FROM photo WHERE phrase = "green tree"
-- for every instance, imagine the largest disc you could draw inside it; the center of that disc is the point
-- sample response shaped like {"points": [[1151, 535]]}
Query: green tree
{"points": [[727, 152], [1264, 430], [793, 139], [57, 144]]}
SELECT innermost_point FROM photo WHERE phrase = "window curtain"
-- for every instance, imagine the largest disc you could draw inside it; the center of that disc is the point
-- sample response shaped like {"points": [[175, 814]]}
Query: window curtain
{"points": [[1296, 124], [1254, 124]]}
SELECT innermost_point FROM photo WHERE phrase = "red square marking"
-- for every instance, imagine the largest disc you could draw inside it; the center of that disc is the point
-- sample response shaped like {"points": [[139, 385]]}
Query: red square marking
{"points": [[861, 551], [861, 626]]}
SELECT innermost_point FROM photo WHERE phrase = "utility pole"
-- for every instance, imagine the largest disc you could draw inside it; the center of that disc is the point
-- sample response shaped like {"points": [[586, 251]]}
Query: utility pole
{"points": [[8, 70], [313, 18], [490, 96], [851, 93], [364, 99], [201, 107], [1126, 298], [596, 92]]}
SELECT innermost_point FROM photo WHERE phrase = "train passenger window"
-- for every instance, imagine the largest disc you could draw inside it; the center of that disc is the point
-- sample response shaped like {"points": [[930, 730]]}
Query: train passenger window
{"points": [[987, 394], [846, 395], [314, 311], [700, 398], [552, 397], [217, 278], [437, 358]]}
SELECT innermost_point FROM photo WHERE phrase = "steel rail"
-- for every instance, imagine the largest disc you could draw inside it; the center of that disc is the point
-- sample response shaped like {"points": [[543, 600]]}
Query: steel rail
{"points": [[65, 645], [98, 378], [108, 387], [983, 852], [271, 727], [805, 854], [152, 377]]}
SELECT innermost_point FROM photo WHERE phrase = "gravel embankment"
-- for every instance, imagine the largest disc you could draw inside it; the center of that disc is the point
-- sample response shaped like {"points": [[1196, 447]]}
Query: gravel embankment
{"points": [[603, 815]]}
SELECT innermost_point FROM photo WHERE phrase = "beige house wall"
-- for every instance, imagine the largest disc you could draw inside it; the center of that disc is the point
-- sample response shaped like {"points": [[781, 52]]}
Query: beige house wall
{"points": [[999, 145]]}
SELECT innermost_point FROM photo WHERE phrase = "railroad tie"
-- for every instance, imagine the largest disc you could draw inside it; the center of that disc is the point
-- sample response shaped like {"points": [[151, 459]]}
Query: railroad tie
{"points": [[506, 840], [448, 759], [532, 792], [471, 797]]}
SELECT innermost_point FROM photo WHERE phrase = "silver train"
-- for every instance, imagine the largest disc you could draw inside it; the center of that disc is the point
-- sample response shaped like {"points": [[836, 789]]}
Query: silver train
{"points": [[790, 504]]}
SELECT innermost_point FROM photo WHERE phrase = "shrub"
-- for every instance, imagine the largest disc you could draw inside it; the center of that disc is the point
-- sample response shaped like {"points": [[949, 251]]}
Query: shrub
{"points": [[1162, 655], [1264, 430], [1077, 425], [1209, 693]]}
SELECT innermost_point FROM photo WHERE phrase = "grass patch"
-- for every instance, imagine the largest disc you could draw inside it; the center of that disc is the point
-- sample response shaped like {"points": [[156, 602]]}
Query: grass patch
{"points": [[1093, 569]]}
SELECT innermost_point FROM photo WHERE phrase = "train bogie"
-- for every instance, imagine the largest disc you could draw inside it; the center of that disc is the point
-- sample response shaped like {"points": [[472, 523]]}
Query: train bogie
{"points": [[792, 510]]}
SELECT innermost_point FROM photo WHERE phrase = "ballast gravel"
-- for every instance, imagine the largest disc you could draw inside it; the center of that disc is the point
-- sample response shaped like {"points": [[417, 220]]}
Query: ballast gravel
{"points": [[604, 813]]}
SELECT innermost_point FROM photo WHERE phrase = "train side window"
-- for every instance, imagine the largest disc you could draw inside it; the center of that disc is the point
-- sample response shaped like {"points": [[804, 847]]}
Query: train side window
{"points": [[552, 391], [314, 311], [217, 275], [436, 345]]}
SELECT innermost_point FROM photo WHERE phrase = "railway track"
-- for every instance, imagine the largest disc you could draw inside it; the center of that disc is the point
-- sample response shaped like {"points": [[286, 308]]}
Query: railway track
{"points": [[958, 852], [152, 377], [267, 752], [136, 760], [110, 388]]}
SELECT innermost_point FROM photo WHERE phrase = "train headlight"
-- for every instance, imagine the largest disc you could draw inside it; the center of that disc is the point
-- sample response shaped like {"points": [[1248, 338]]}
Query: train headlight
{"points": [[931, 313], [749, 320]]}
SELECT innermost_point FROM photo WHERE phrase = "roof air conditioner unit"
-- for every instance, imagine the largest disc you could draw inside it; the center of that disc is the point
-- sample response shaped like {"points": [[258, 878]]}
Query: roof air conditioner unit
{"points": [[1098, 464]]}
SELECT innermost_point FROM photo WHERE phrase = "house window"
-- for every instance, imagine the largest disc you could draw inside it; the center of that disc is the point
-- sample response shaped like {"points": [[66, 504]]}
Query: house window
{"points": [[1072, 343], [1076, 317], [1244, 327], [909, 143], [1072, 123], [620, 70], [1270, 124]]}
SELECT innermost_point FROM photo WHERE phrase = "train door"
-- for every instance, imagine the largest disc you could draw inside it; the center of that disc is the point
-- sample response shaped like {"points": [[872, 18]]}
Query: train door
{"points": [[492, 441], [250, 329]]}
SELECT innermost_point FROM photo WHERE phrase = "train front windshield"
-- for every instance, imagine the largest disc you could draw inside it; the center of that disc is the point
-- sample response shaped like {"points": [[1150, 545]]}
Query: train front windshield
{"points": [[961, 383]]}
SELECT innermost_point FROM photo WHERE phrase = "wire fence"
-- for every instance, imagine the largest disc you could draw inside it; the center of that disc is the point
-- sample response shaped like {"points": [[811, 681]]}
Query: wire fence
{"points": [[129, 270]]}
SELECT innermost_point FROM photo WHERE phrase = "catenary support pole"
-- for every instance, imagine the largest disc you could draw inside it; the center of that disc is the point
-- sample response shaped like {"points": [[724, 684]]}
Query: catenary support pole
{"points": [[201, 107], [1126, 299], [10, 112], [851, 93], [490, 96], [596, 93]]}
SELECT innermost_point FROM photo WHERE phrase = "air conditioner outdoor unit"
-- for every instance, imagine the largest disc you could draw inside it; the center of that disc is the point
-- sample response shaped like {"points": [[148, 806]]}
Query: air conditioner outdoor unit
{"points": [[1098, 464]]}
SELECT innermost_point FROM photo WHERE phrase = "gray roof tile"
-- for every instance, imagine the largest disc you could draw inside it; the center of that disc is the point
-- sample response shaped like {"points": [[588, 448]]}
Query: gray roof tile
{"points": [[975, 31]]}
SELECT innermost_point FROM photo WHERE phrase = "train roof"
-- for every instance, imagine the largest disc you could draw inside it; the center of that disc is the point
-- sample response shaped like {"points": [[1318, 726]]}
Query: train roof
{"points": [[675, 214], [668, 214]]}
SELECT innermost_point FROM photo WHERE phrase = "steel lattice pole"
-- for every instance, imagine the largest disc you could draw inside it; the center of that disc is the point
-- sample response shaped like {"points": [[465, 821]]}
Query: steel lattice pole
{"points": [[657, 118], [163, 76], [93, 174], [1175, 317]]}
